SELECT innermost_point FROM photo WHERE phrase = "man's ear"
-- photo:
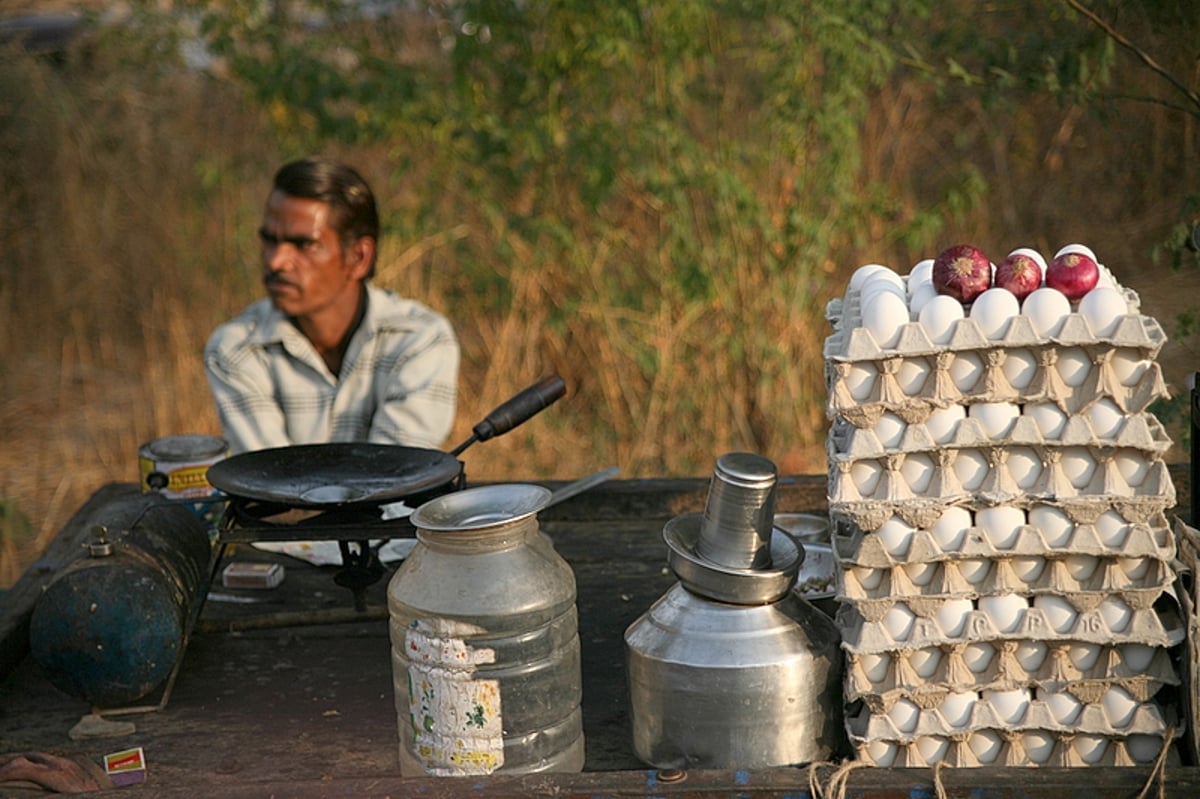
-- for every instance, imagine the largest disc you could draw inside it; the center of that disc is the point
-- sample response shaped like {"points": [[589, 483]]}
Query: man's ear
{"points": [[360, 256]]}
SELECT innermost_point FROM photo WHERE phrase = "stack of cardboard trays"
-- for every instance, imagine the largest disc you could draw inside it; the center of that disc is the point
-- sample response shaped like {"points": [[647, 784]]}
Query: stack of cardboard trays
{"points": [[1005, 561]]}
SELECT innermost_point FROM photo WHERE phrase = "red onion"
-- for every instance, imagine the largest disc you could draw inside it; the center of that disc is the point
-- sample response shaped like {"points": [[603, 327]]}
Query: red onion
{"points": [[962, 272], [1020, 274], [1073, 273]]}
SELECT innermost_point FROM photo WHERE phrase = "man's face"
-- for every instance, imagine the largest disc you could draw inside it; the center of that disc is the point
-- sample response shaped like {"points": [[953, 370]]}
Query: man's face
{"points": [[305, 269]]}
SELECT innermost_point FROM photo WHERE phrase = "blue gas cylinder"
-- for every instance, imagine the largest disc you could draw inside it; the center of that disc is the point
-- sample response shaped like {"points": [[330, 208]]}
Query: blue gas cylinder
{"points": [[110, 626]]}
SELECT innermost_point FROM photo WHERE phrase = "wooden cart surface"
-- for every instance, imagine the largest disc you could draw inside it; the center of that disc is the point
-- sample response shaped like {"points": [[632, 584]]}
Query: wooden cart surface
{"points": [[292, 696]]}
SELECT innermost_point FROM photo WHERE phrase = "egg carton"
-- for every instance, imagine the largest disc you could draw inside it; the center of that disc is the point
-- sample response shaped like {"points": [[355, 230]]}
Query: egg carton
{"points": [[924, 624], [851, 341], [1009, 747], [1136, 538], [1111, 713], [1082, 580], [1139, 435], [927, 675], [916, 384], [870, 491]]}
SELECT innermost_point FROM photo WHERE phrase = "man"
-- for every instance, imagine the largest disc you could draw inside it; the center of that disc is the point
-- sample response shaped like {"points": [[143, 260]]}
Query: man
{"points": [[327, 356]]}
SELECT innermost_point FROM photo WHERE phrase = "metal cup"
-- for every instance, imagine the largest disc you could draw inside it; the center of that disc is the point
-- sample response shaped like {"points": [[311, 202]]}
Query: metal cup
{"points": [[739, 512]]}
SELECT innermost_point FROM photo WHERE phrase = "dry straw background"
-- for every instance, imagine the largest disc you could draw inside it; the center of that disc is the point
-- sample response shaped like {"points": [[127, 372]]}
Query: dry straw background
{"points": [[111, 280]]}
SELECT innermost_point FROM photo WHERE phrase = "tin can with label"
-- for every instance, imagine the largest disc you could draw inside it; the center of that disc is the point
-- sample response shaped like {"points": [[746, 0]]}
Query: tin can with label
{"points": [[177, 468]]}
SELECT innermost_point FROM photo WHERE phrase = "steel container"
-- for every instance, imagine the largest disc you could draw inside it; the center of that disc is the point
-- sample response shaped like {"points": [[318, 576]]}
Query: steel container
{"points": [[485, 643], [730, 669]]}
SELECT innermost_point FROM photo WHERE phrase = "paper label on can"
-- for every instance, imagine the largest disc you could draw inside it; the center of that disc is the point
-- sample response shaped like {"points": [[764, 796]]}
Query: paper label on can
{"points": [[456, 719]]}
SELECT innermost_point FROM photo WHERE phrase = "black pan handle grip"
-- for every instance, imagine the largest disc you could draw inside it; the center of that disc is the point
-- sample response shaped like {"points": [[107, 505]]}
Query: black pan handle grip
{"points": [[520, 408]]}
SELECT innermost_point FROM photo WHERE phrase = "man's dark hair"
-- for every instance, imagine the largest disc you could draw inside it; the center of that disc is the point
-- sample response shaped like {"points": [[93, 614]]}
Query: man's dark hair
{"points": [[345, 191]]}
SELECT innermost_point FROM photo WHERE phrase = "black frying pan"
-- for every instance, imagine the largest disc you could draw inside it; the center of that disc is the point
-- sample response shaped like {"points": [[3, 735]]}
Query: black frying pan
{"points": [[354, 473]]}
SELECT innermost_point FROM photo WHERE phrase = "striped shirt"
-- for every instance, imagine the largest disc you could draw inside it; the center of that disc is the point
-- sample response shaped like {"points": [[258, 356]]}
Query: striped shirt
{"points": [[398, 383]]}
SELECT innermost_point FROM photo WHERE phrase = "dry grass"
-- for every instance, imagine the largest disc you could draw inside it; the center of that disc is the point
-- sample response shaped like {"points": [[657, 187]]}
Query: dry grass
{"points": [[130, 213]]}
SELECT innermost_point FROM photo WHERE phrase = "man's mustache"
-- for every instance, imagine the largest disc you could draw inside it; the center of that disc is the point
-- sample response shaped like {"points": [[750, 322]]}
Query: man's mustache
{"points": [[276, 279]]}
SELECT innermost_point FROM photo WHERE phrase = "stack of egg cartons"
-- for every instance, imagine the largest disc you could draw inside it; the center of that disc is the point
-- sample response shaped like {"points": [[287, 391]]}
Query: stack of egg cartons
{"points": [[999, 499]]}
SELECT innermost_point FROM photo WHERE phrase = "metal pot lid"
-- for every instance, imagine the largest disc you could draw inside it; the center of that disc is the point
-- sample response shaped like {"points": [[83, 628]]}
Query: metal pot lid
{"points": [[328, 475], [725, 584], [484, 506]]}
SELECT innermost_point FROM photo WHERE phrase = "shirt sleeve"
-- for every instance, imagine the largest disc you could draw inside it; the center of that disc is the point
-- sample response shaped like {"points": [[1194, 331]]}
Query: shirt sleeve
{"points": [[420, 392], [242, 388]]}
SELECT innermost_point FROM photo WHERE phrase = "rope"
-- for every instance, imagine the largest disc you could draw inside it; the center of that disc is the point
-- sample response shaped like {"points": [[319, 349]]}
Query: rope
{"points": [[938, 787], [1158, 773]]}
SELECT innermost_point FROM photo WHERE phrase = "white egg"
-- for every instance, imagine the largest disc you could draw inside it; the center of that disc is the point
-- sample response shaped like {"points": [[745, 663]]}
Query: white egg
{"points": [[865, 475], [878, 277], [898, 621], [932, 748], [965, 370], [1116, 614], [993, 310], [971, 468], [1132, 465], [1081, 567], [1135, 568], [1059, 613], [1118, 706], [1083, 655], [1025, 466], [1038, 745], [1029, 568], [917, 470], [1143, 748], [1005, 611], [1010, 705], [951, 617], [957, 707], [905, 714], [1049, 418], [1137, 656], [1055, 526], [912, 375], [1063, 706], [1106, 418], [1031, 655], [884, 315], [868, 577], [875, 666], [939, 316], [895, 534], [1128, 365], [1001, 525], [1103, 308], [889, 429], [1090, 748], [876, 284], [996, 418], [943, 422], [1046, 309], [978, 656], [1082, 248], [882, 753], [986, 744], [922, 272], [974, 570], [860, 379], [863, 272], [1020, 367], [925, 661], [950, 530], [921, 573], [918, 297], [1112, 529], [1074, 366], [1078, 465]]}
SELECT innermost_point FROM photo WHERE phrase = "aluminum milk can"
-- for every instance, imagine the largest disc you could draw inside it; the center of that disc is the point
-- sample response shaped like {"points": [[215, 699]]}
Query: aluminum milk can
{"points": [[485, 643], [729, 669]]}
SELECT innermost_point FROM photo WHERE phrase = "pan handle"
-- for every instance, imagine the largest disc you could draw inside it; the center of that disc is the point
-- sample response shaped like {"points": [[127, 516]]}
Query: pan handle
{"points": [[523, 406]]}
